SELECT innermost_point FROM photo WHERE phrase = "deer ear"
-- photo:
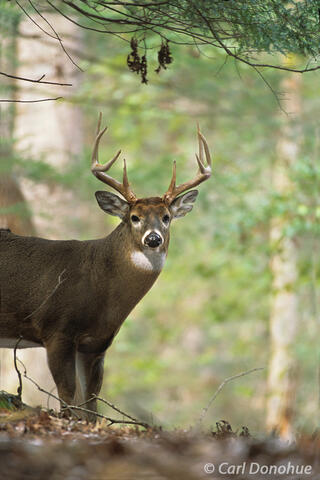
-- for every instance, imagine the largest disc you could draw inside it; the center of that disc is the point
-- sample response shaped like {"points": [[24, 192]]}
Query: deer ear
{"points": [[112, 204], [183, 204]]}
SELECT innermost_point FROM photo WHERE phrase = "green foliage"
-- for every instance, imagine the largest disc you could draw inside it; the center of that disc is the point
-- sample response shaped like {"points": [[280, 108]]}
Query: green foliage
{"points": [[270, 26], [252, 25]]}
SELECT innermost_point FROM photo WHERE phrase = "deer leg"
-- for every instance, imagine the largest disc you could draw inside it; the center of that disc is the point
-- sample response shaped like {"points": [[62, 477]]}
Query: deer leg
{"points": [[89, 379], [61, 361]]}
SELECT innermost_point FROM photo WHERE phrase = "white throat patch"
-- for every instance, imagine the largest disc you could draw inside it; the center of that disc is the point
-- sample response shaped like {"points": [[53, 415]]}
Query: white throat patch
{"points": [[152, 261]]}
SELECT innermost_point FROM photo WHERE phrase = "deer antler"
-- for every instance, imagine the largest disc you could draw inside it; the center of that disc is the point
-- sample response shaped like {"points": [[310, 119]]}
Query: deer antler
{"points": [[99, 170], [203, 174]]}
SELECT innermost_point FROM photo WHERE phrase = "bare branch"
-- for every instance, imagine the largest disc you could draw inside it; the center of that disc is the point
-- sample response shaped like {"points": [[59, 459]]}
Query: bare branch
{"points": [[74, 408], [33, 21], [57, 36], [112, 421], [227, 380], [19, 389], [39, 80], [6, 100], [114, 407], [42, 389]]}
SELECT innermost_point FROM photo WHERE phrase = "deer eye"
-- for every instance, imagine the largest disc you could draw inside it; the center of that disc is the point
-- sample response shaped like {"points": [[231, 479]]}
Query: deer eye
{"points": [[166, 219], [135, 219]]}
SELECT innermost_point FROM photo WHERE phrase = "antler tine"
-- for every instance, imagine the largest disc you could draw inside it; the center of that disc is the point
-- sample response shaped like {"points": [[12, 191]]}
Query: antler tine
{"points": [[99, 123], [200, 143], [206, 149], [172, 185], [95, 151], [125, 180], [203, 174], [99, 169]]}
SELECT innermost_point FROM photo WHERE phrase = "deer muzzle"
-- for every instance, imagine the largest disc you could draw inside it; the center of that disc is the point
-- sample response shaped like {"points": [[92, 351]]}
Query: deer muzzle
{"points": [[153, 240]]}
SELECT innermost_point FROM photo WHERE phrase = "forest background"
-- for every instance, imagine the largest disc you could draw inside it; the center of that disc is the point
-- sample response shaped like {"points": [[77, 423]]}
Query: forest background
{"points": [[214, 312]]}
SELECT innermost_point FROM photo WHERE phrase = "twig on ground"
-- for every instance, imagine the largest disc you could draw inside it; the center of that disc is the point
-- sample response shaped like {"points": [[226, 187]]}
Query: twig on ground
{"points": [[74, 408], [38, 386], [42, 389], [111, 421], [227, 380], [48, 399], [114, 407], [19, 389]]}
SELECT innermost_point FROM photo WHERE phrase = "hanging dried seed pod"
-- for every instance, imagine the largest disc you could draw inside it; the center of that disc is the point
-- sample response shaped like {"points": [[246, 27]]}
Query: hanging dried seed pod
{"points": [[144, 69], [164, 56], [135, 64], [133, 59]]}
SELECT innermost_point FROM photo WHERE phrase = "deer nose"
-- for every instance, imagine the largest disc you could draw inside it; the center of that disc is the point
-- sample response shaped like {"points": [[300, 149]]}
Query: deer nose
{"points": [[153, 240]]}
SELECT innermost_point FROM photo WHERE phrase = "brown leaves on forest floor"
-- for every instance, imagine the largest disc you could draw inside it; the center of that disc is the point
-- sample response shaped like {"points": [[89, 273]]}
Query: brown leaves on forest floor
{"points": [[43, 446], [40, 424]]}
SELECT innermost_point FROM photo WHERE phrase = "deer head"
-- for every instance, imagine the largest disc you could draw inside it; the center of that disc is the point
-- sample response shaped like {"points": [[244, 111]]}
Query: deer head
{"points": [[148, 219]]}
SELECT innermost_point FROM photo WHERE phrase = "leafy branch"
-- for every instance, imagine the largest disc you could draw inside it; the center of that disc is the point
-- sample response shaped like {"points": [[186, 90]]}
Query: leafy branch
{"points": [[241, 28]]}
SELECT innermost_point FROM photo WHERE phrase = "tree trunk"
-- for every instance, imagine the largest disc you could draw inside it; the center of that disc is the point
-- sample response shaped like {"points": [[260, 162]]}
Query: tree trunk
{"points": [[51, 131], [284, 309]]}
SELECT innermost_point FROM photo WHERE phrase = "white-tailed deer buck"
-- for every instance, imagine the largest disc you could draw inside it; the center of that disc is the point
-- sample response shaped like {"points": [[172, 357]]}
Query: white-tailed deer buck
{"points": [[72, 297]]}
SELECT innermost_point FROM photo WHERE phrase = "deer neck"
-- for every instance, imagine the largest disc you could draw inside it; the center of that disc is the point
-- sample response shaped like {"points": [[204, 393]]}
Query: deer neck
{"points": [[137, 267], [129, 276]]}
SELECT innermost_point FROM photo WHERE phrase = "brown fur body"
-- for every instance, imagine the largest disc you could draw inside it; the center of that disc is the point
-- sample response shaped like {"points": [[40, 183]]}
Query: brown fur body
{"points": [[71, 297]]}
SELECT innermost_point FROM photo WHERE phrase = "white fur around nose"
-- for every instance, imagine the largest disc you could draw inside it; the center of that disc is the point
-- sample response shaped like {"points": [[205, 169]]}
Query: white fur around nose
{"points": [[151, 261], [148, 232]]}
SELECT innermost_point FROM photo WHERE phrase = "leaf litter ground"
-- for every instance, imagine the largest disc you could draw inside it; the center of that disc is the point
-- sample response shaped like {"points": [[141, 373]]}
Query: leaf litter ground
{"points": [[37, 444]]}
